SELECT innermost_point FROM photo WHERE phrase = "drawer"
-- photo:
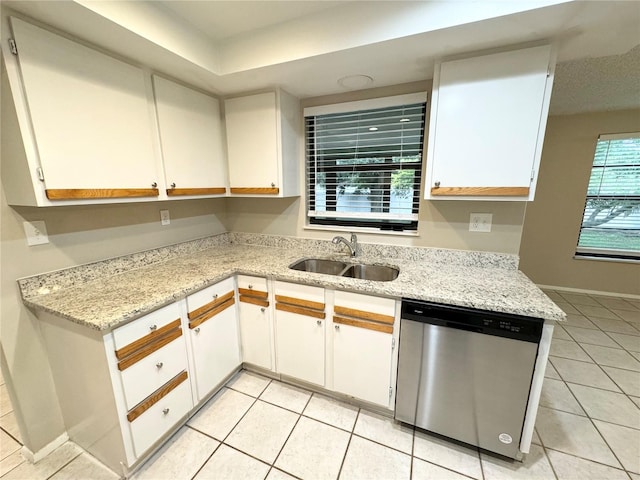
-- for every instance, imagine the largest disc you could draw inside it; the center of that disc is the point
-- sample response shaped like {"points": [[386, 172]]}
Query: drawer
{"points": [[146, 325], [144, 377], [252, 283], [351, 304], [210, 294], [296, 294], [161, 417]]}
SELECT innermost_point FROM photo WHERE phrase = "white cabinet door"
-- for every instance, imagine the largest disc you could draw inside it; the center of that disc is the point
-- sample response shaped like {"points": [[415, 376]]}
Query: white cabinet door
{"points": [[362, 363], [255, 332], [192, 140], [216, 350], [91, 118], [300, 346], [488, 116]]}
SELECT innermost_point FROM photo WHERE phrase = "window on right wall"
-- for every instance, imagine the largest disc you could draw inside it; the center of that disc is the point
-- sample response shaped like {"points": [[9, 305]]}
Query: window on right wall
{"points": [[611, 220]]}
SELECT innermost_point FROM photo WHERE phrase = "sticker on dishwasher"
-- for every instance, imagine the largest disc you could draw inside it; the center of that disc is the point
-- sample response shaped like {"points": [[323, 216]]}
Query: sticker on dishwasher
{"points": [[505, 438]]}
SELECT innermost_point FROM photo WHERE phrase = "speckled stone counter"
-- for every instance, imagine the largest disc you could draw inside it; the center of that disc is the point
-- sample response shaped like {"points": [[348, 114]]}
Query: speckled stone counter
{"points": [[104, 295]]}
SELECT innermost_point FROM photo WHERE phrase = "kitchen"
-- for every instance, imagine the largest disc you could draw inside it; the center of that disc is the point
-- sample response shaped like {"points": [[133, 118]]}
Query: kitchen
{"points": [[81, 234]]}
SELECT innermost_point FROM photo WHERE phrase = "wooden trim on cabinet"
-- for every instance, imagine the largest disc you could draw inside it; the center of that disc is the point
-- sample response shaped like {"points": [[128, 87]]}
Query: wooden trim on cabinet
{"points": [[209, 306], [363, 324], [252, 293], [300, 310], [142, 341], [176, 192], [96, 193], [300, 302], [156, 396], [481, 191], [352, 312], [254, 300], [255, 191], [211, 313], [148, 349]]}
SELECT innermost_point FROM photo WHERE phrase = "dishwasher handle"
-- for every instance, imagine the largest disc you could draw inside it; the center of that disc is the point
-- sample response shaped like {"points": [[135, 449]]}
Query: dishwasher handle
{"points": [[462, 326]]}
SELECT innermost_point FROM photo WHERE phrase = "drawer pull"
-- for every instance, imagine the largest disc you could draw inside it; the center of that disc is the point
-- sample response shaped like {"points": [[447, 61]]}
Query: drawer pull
{"points": [[159, 365], [153, 328], [197, 329], [165, 411]]}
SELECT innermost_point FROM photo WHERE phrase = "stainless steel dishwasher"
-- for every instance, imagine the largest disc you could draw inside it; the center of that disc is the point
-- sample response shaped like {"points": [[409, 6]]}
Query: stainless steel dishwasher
{"points": [[466, 374]]}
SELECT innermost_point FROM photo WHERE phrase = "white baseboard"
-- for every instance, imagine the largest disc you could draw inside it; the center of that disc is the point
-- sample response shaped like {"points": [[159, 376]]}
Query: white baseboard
{"points": [[46, 450], [590, 292]]}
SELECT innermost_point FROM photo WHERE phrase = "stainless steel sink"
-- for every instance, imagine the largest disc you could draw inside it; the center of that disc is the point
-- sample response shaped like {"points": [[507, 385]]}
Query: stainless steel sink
{"points": [[319, 265], [380, 273]]}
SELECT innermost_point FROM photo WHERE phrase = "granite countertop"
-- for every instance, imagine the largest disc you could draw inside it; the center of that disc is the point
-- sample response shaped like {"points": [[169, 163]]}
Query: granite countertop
{"points": [[105, 295]]}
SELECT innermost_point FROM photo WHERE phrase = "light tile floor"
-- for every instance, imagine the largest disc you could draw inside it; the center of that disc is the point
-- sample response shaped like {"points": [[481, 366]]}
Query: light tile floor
{"points": [[255, 428]]}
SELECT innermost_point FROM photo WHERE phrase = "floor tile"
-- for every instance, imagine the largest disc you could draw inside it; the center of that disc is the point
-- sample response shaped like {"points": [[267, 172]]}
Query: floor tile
{"points": [[568, 349], [612, 357], [331, 411], [572, 434], [10, 425], [607, 406], [560, 333], [567, 308], [624, 441], [629, 342], [229, 464], [600, 312], [636, 400], [555, 394], [47, 466], [384, 430], [249, 383], [314, 450], [536, 438], [367, 460], [568, 467], [580, 299], [462, 459], [551, 372], [275, 474], [12, 461], [616, 303], [594, 337], [181, 457], [535, 466], [84, 467], [635, 354], [627, 380], [583, 373], [220, 414], [5, 401], [617, 326], [7, 445], [634, 476], [286, 396], [553, 295], [422, 470], [578, 320], [263, 431], [628, 315]]}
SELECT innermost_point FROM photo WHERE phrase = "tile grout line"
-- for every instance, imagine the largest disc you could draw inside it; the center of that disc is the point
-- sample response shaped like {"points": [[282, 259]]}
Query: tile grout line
{"points": [[346, 450], [67, 463]]}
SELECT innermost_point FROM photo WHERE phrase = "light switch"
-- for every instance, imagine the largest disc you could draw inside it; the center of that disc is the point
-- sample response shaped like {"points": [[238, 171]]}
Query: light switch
{"points": [[36, 233], [480, 222]]}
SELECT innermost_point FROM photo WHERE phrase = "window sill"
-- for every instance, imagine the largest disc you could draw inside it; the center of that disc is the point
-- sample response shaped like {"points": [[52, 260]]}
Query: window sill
{"points": [[373, 231], [607, 259]]}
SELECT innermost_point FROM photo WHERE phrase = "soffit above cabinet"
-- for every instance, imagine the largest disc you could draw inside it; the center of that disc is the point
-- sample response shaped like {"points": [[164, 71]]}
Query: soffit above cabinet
{"points": [[305, 47]]}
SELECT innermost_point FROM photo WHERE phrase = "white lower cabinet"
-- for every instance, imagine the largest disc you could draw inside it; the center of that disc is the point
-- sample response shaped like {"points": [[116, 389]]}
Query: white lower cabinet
{"points": [[255, 321]]}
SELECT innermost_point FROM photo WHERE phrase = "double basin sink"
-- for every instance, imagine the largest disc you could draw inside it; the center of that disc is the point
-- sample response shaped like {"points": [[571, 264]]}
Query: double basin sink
{"points": [[380, 273]]}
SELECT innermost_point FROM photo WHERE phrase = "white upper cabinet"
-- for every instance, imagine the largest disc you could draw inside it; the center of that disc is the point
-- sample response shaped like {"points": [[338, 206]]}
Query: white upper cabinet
{"points": [[88, 122], [263, 144], [192, 140], [488, 118]]}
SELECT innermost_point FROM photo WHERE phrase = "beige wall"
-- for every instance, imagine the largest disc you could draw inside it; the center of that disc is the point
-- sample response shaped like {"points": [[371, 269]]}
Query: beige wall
{"points": [[552, 221], [442, 223]]}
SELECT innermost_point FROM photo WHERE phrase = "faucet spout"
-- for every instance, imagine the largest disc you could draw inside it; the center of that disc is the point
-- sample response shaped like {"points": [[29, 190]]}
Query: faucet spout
{"points": [[352, 245]]}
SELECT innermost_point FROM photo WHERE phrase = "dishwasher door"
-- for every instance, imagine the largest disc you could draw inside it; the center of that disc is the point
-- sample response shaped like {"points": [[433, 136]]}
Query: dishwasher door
{"points": [[465, 385]]}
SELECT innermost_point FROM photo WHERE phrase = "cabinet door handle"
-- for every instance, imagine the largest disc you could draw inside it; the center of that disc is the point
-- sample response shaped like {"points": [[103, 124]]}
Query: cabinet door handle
{"points": [[154, 184], [159, 365], [165, 411], [262, 309], [250, 287], [337, 327], [173, 185], [153, 327], [215, 296], [437, 184], [197, 329], [319, 322], [273, 184]]}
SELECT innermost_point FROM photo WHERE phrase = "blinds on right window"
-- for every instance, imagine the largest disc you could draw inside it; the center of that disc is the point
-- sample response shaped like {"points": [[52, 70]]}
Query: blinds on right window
{"points": [[611, 221]]}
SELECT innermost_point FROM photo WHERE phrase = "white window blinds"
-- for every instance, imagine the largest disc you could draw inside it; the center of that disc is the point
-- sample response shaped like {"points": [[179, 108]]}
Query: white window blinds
{"points": [[611, 220], [364, 166]]}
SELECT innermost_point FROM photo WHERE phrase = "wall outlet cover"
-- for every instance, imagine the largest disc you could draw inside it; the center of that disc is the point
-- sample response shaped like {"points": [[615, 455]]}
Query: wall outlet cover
{"points": [[480, 222], [36, 233], [164, 217]]}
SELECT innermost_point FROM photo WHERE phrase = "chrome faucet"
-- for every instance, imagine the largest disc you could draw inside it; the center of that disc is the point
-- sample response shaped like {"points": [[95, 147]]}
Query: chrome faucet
{"points": [[353, 244]]}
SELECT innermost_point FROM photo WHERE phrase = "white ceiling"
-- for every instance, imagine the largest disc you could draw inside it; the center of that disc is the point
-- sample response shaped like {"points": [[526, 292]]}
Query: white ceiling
{"points": [[228, 47]]}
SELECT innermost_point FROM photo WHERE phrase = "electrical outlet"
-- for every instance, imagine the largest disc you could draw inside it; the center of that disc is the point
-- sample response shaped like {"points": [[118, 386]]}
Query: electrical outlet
{"points": [[36, 233], [480, 222], [164, 217]]}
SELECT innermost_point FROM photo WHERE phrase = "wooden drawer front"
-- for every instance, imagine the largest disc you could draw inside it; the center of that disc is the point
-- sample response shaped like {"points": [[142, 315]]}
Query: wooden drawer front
{"points": [[147, 428], [252, 283], [146, 326], [367, 303], [208, 295], [314, 295], [364, 311], [149, 374]]}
